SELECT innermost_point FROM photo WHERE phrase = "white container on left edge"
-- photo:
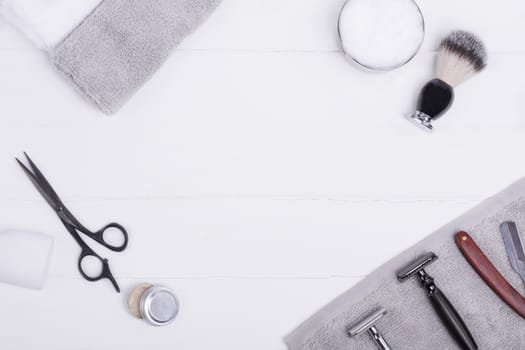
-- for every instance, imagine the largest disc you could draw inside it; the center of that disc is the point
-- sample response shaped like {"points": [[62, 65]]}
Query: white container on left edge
{"points": [[24, 258]]}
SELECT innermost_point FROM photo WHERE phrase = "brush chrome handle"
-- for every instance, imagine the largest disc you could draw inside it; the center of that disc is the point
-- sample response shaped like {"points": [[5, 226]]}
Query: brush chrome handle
{"points": [[452, 320], [378, 339], [488, 272]]}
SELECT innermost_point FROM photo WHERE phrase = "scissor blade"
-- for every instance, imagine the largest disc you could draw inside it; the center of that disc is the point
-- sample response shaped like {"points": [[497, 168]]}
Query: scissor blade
{"points": [[43, 191], [514, 247], [42, 179]]}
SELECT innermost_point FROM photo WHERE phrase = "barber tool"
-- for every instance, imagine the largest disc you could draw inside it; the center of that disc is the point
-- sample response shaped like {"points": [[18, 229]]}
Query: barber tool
{"points": [[514, 246], [368, 324], [74, 227], [24, 258], [157, 305], [488, 272], [461, 56], [444, 308], [381, 35]]}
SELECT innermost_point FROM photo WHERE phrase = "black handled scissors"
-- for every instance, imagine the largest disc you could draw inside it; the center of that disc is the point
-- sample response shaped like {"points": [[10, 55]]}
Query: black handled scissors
{"points": [[73, 226]]}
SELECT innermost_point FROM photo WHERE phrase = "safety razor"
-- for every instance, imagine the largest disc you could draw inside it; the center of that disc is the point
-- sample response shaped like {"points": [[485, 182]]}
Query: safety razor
{"points": [[443, 307], [368, 324]]}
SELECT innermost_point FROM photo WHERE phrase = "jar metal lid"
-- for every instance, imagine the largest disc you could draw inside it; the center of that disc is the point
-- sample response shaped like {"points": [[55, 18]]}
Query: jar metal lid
{"points": [[159, 306]]}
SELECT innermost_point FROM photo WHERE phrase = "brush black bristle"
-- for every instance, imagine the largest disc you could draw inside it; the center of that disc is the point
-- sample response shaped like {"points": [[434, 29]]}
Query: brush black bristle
{"points": [[467, 46]]}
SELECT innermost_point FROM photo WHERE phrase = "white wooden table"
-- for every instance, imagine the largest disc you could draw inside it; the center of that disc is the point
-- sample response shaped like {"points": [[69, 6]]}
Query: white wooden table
{"points": [[258, 173]]}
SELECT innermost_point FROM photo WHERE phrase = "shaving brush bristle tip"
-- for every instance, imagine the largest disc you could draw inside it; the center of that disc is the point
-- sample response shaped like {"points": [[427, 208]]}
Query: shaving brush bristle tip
{"points": [[461, 56]]}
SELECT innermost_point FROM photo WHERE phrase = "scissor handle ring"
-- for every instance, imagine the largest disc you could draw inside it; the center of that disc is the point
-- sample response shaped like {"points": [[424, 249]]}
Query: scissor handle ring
{"points": [[103, 262], [99, 237], [104, 273]]}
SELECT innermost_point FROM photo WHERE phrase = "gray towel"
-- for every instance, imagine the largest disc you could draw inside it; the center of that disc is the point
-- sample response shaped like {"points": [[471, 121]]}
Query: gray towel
{"points": [[411, 322], [122, 43]]}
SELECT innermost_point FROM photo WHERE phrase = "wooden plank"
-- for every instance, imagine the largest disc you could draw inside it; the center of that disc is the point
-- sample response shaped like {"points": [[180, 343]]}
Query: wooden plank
{"points": [[250, 124], [231, 238], [215, 314], [306, 25]]}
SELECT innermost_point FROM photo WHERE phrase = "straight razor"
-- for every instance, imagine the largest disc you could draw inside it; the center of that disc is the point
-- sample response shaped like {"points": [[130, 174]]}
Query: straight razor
{"points": [[514, 246]]}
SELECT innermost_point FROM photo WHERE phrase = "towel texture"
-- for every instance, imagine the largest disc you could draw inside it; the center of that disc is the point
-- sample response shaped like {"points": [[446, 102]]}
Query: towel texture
{"points": [[122, 43], [46, 22], [411, 322]]}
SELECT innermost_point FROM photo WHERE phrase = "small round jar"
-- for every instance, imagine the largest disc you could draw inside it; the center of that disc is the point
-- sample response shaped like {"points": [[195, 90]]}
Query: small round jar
{"points": [[381, 35], [157, 305]]}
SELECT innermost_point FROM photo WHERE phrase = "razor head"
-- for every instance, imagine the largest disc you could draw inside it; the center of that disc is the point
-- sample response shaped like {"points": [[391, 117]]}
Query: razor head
{"points": [[416, 266], [366, 323], [514, 246]]}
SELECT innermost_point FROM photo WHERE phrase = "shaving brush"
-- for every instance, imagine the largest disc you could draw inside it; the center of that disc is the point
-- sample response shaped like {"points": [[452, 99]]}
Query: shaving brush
{"points": [[461, 56]]}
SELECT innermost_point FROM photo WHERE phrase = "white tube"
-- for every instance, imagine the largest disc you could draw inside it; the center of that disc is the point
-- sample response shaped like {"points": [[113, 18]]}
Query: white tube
{"points": [[24, 258]]}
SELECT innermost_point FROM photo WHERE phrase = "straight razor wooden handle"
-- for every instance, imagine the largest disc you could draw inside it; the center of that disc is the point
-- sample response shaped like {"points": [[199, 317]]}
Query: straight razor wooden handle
{"points": [[488, 272]]}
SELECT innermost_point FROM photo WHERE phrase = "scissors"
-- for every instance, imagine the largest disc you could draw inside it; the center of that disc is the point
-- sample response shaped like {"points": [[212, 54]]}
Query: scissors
{"points": [[74, 227]]}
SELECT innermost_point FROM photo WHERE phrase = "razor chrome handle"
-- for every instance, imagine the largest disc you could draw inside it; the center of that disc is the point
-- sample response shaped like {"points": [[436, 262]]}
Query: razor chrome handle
{"points": [[446, 312], [450, 317], [368, 323], [378, 339]]}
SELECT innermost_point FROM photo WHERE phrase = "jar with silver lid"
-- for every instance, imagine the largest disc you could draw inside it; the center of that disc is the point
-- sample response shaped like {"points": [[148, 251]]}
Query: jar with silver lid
{"points": [[157, 305]]}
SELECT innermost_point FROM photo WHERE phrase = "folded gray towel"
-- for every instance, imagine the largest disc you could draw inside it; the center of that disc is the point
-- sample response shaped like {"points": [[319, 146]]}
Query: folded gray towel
{"points": [[411, 322], [122, 43]]}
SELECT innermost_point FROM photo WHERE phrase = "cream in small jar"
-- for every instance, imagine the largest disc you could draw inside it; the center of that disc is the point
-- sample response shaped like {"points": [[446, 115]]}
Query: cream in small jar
{"points": [[157, 305], [381, 34]]}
